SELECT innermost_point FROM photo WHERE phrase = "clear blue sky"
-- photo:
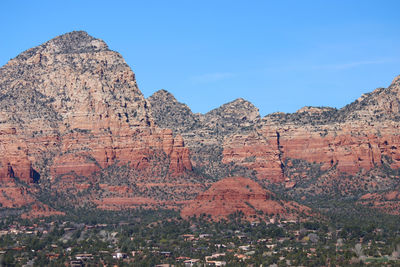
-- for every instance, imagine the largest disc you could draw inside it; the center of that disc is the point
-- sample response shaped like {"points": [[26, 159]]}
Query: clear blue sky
{"points": [[280, 55]]}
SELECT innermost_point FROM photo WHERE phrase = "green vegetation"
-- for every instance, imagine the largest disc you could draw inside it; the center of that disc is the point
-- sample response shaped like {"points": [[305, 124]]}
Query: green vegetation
{"points": [[147, 238]]}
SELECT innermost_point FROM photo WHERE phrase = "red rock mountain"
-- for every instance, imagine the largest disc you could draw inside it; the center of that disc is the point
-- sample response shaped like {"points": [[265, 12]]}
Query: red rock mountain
{"points": [[70, 108], [352, 150], [76, 130], [316, 151], [239, 194], [77, 100], [204, 133]]}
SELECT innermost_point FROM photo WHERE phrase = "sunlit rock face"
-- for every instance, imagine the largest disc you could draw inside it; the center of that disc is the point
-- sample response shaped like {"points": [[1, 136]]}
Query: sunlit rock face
{"points": [[71, 105], [360, 136]]}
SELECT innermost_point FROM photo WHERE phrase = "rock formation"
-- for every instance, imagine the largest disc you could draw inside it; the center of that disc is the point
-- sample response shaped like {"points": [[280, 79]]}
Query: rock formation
{"points": [[238, 194], [202, 129], [71, 107], [204, 133], [388, 202], [315, 151], [75, 129], [168, 113], [357, 137], [76, 100]]}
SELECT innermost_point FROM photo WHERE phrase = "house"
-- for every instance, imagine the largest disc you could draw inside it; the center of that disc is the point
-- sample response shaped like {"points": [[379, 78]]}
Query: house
{"points": [[192, 262], [182, 258], [255, 223], [119, 255], [245, 248], [84, 256], [134, 252], [211, 262], [214, 256], [220, 245], [241, 256]]}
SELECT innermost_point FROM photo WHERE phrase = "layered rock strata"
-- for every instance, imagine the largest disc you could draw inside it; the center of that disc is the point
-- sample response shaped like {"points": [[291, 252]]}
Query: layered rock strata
{"points": [[240, 195], [360, 136], [70, 108], [72, 105]]}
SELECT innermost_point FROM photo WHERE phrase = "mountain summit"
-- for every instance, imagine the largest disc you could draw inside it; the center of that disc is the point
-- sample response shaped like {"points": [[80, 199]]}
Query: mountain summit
{"points": [[69, 43]]}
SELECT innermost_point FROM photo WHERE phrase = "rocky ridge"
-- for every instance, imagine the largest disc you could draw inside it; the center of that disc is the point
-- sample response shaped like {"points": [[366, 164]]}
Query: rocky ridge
{"points": [[204, 134], [360, 136], [210, 128], [313, 152]]}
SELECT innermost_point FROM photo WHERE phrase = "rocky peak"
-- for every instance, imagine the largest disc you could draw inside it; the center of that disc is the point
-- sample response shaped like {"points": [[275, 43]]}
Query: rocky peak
{"points": [[305, 116], [169, 113], [73, 75], [71, 105], [238, 109], [69, 43], [235, 115], [164, 95], [204, 134], [396, 81], [378, 105]]}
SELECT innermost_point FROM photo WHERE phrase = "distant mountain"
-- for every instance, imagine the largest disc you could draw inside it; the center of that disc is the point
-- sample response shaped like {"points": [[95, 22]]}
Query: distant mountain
{"points": [[75, 131]]}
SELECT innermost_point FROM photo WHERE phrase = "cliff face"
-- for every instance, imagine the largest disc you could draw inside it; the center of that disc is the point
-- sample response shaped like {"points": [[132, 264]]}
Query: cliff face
{"points": [[360, 136], [71, 107], [357, 137], [80, 102], [347, 147]]}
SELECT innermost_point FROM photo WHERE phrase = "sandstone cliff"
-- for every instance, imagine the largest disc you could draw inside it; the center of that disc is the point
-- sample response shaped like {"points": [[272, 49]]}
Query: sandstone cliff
{"points": [[71, 107], [317, 151], [359, 136]]}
